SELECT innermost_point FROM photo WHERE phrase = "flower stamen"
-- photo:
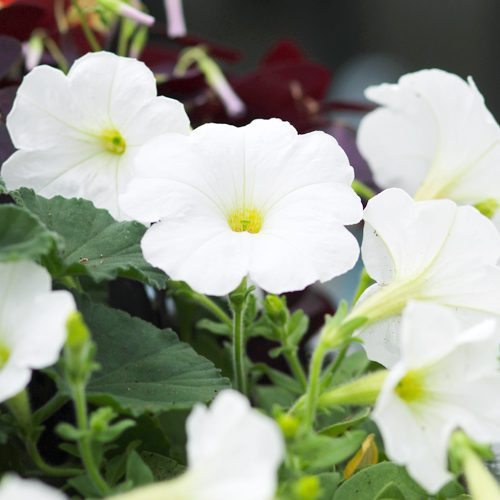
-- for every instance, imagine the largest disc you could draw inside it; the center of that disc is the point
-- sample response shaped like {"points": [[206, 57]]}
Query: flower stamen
{"points": [[113, 141], [411, 387], [4, 354], [245, 219]]}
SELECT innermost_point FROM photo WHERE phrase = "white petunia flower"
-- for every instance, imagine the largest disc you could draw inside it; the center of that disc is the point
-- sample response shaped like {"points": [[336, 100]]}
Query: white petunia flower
{"points": [[447, 379], [428, 250], [32, 324], [433, 137], [234, 452], [78, 134], [259, 200], [15, 488]]}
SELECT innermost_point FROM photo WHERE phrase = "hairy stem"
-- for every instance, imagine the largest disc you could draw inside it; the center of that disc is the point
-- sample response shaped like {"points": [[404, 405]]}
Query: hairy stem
{"points": [[84, 444], [239, 371]]}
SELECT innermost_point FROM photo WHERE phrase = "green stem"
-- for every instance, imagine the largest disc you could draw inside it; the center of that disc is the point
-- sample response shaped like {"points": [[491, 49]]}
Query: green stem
{"points": [[313, 389], [46, 468], [56, 54], [362, 391], [364, 282], [334, 366], [49, 408], [19, 406], [211, 306], [239, 371], [468, 455], [296, 368], [71, 282], [124, 36], [363, 190], [122, 42], [84, 444], [482, 485], [89, 34]]}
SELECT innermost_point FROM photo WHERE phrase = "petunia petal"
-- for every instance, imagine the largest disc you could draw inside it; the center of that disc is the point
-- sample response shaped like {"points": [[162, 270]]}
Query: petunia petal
{"points": [[13, 379], [412, 437], [229, 463], [402, 238], [433, 135], [159, 116], [199, 250], [41, 332], [123, 87], [44, 112]]}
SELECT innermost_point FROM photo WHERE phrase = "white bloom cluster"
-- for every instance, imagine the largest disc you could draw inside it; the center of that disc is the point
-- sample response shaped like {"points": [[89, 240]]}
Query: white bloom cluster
{"points": [[261, 201], [434, 138], [447, 378]]}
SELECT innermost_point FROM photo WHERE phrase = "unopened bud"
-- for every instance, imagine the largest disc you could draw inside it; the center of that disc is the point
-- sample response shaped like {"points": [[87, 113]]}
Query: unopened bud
{"points": [[176, 25], [78, 351], [308, 488], [33, 50], [288, 424], [276, 309], [123, 9]]}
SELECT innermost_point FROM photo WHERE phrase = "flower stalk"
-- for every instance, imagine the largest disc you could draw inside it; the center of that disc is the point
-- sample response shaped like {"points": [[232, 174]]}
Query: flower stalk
{"points": [[467, 455], [87, 31], [238, 303], [363, 391], [214, 77], [84, 443]]}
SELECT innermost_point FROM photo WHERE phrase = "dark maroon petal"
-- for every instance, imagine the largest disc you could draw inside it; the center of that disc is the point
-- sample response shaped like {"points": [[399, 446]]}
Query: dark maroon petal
{"points": [[20, 19], [216, 50], [10, 54], [7, 95], [285, 51]]}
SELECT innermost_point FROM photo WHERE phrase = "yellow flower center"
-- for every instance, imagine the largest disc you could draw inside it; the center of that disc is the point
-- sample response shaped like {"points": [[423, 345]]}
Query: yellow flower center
{"points": [[245, 219], [4, 354], [113, 141], [411, 387]]}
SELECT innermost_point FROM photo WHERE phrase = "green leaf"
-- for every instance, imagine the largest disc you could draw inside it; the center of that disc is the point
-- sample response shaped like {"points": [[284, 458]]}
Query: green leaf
{"points": [[351, 367], [278, 378], [214, 327], [371, 481], [297, 327], [70, 432], [143, 368], [137, 470], [329, 482], [340, 427], [84, 486], [319, 452], [95, 244], [162, 467], [116, 466], [268, 396], [22, 236], [390, 492]]}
